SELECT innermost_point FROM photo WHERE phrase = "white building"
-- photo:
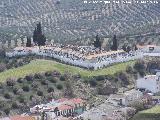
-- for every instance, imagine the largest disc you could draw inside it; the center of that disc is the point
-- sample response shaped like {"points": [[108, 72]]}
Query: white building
{"points": [[132, 95], [86, 56], [83, 56], [149, 82], [61, 107], [107, 111], [126, 98], [149, 50], [21, 51]]}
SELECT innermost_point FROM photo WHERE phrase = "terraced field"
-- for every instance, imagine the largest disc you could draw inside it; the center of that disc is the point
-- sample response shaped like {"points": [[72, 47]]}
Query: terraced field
{"points": [[150, 114], [72, 19], [37, 66]]}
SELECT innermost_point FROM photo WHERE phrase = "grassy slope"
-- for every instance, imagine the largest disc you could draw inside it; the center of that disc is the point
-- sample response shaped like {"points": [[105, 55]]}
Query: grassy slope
{"points": [[47, 65], [150, 114]]}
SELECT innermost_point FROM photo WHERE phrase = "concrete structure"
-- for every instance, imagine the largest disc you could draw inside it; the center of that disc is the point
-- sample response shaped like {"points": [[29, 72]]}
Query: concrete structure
{"points": [[149, 50], [132, 95], [125, 99], [6, 118], [86, 56], [117, 99], [107, 111], [19, 117], [149, 82], [156, 99], [83, 56], [61, 107]]}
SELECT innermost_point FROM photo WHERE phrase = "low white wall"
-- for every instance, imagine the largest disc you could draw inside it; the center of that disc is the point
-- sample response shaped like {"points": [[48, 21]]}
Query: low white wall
{"points": [[96, 65]]}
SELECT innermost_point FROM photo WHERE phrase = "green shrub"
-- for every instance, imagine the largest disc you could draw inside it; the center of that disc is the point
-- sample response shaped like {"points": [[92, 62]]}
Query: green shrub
{"points": [[59, 87], [93, 82], [123, 77], [62, 78], [140, 67], [44, 82], [56, 73], [29, 78], [31, 97], [38, 76], [53, 80], [1, 85], [21, 99], [49, 73], [7, 96], [2, 104], [14, 105], [25, 88], [1, 113], [15, 90], [50, 89], [20, 80], [77, 76], [7, 111], [129, 69], [100, 78], [20, 91], [2, 67], [11, 82], [35, 85], [39, 93], [110, 77], [85, 81]]}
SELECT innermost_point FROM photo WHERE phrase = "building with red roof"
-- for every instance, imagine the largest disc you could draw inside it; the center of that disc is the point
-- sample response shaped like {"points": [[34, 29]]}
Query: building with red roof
{"points": [[71, 107], [19, 117], [62, 107]]}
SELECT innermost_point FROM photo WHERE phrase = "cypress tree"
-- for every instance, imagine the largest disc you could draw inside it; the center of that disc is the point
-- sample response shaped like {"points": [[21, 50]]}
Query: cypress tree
{"points": [[128, 49], [39, 28], [35, 36], [38, 37], [135, 47], [16, 43], [22, 40], [28, 44], [115, 44], [97, 43], [124, 47]]}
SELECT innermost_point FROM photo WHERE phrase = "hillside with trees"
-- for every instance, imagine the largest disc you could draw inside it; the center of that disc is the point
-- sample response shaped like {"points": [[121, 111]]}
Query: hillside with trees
{"points": [[18, 94], [73, 20], [30, 80]]}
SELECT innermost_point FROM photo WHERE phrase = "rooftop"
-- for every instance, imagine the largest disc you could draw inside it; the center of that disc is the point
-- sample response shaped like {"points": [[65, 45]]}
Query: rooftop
{"points": [[19, 117], [116, 96], [76, 100], [86, 52], [132, 92], [150, 77], [143, 46], [103, 54], [61, 104], [65, 107]]}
